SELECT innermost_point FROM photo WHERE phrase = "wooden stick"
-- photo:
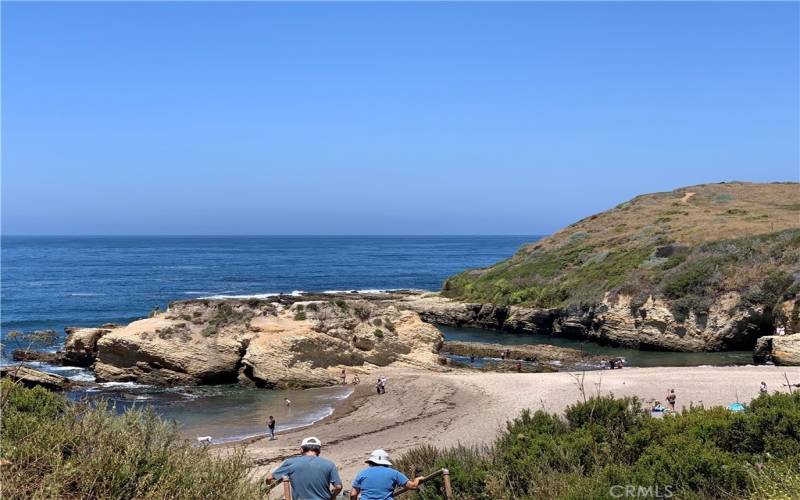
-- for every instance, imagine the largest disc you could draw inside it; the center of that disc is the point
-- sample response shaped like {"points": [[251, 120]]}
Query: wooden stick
{"points": [[787, 382], [287, 490], [448, 489], [422, 480]]}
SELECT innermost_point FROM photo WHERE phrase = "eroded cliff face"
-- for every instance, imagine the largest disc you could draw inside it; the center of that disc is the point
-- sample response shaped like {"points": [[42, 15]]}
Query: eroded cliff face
{"points": [[266, 343], [729, 324]]}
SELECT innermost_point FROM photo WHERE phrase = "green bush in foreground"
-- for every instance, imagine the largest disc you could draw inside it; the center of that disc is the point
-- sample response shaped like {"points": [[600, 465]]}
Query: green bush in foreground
{"points": [[58, 449], [605, 444]]}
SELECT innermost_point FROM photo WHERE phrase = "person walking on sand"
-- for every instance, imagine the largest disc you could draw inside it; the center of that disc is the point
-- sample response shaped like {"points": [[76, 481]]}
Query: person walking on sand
{"points": [[312, 477], [271, 427], [379, 480], [671, 399], [343, 377]]}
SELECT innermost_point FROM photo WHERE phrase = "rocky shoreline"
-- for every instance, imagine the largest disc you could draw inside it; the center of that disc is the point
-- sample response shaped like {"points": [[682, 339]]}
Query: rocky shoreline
{"points": [[651, 326], [301, 341]]}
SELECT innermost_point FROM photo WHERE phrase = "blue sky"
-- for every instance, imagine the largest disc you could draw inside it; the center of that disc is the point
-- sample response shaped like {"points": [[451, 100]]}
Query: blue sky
{"points": [[384, 118]]}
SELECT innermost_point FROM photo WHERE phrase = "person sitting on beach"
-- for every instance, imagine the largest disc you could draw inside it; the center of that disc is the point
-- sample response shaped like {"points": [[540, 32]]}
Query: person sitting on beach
{"points": [[671, 399], [356, 380], [310, 475], [271, 427], [763, 388], [657, 407], [379, 480]]}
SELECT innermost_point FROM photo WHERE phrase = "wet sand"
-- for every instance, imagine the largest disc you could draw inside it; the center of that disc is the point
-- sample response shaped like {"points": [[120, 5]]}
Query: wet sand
{"points": [[471, 408]]}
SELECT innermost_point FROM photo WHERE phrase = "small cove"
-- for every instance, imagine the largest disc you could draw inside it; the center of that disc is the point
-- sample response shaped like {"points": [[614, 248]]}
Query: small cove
{"points": [[633, 357], [227, 413]]}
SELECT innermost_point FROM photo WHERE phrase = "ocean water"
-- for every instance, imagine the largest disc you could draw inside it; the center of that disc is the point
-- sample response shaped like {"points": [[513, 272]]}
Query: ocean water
{"points": [[54, 282]]}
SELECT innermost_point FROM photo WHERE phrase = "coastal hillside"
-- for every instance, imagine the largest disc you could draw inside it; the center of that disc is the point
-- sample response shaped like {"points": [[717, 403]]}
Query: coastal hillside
{"points": [[728, 251]]}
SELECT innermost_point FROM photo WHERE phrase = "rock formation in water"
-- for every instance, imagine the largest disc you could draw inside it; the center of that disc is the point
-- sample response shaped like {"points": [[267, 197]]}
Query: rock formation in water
{"points": [[704, 268], [779, 349], [542, 354], [268, 343], [30, 377]]}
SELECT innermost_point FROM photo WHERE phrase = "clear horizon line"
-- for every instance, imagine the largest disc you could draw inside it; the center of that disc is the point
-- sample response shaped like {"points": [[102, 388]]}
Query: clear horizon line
{"points": [[141, 235]]}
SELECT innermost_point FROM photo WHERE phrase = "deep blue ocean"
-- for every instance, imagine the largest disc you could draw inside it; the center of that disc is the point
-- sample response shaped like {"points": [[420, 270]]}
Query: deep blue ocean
{"points": [[50, 282]]}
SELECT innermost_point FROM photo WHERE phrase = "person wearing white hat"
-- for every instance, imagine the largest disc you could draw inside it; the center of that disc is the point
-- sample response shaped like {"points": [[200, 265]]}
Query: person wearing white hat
{"points": [[311, 476], [379, 480]]}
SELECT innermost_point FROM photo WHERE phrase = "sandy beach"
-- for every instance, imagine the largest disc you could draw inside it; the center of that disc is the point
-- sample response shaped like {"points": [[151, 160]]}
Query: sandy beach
{"points": [[472, 407]]}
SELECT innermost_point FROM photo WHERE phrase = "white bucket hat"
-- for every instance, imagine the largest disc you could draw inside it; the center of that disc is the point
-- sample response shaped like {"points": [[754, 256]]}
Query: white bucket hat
{"points": [[379, 457], [311, 441]]}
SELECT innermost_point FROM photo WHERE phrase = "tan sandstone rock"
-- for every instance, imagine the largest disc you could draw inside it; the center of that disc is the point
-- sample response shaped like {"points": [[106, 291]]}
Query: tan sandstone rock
{"points": [[302, 344]]}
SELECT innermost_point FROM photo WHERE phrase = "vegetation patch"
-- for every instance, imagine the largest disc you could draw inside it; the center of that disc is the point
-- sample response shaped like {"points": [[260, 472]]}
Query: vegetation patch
{"points": [[629, 250], [52, 448], [605, 441]]}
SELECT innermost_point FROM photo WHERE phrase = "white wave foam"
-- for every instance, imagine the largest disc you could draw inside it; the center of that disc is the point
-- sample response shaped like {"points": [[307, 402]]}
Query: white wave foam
{"points": [[295, 293], [250, 296], [299, 293], [130, 385], [83, 377], [85, 294], [375, 290]]}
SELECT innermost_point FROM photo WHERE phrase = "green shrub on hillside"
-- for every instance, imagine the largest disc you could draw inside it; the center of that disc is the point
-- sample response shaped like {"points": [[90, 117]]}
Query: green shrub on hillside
{"points": [[760, 268], [606, 442], [57, 449]]}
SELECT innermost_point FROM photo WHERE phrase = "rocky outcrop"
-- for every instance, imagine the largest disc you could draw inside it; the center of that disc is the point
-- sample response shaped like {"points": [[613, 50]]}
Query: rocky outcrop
{"points": [[80, 348], [540, 353], [54, 358], [729, 324], [270, 343], [30, 377], [779, 349]]}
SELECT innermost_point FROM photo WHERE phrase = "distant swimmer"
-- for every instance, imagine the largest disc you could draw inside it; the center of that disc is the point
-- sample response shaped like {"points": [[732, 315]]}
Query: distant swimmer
{"points": [[287, 401]]}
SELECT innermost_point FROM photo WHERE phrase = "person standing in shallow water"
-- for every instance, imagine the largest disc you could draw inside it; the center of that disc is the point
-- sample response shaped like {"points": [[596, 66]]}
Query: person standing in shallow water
{"points": [[271, 427], [379, 480]]}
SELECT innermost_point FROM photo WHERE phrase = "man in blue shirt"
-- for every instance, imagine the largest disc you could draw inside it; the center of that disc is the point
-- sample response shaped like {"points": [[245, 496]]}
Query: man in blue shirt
{"points": [[310, 475], [379, 480]]}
